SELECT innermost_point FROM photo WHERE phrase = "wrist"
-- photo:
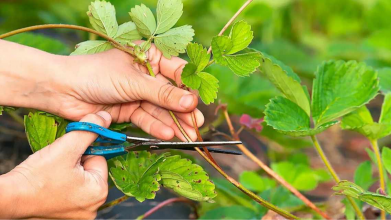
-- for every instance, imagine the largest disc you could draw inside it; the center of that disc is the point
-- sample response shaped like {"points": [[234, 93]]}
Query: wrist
{"points": [[30, 78], [13, 202]]}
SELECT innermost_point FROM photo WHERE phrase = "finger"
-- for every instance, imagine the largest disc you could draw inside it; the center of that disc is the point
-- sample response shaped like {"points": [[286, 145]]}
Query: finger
{"points": [[97, 166], [164, 116], [166, 95], [121, 113], [151, 125], [171, 68], [74, 144]]}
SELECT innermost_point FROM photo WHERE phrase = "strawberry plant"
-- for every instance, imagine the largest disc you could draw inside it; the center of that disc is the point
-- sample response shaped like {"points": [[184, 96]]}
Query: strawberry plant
{"points": [[141, 174], [340, 91]]}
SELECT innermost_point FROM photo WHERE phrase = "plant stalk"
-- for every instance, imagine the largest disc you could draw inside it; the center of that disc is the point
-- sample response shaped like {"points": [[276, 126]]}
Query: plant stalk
{"points": [[248, 192], [269, 171], [114, 202], [232, 20], [68, 26], [167, 202], [375, 147], [334, 175], [16, 117]]}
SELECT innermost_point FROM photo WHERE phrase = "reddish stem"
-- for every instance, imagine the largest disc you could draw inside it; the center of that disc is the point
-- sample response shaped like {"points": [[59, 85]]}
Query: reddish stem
{"points": [[167, 202], [269, 171]]}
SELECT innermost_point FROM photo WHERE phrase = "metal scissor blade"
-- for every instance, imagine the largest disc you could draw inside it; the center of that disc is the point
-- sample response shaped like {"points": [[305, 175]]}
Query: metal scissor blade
{"points": [[178, 145]]}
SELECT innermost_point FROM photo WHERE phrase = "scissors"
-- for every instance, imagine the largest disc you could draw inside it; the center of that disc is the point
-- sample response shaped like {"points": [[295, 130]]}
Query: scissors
{"points": [[123, 144]]}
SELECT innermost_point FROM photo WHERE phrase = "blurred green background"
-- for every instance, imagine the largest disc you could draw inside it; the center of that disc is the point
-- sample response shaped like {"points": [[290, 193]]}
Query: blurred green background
{"points": [[299, 33]]}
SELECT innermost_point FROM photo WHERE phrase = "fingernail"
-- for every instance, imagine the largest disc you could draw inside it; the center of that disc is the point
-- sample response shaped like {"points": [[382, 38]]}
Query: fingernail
{"points": [[105, 115], [186, 101]]}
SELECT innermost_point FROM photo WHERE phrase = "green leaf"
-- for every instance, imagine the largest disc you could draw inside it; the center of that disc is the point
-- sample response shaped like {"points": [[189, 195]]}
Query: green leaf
{"points": [[385, 79], [102, 17], [362, 122], [186, 179], [91, 47], [137, 175], [198, 56], [1, 110], [230, 212], [189, 76], [143, 18], [127, 32], [120, 126], [299, 176], [350, 189], [284, 141], [221, 45], [61, 126], [322, 175], [208, 88], [168, 13], [225, 50], [288, 118], [285, 81], [227, 195], [357, 119], [340, 88], [280, 197], [241, 36], [363, 175], [40, 130], [385, 116], [174, 41], [386, 158], [243, 63], [254, 182]]}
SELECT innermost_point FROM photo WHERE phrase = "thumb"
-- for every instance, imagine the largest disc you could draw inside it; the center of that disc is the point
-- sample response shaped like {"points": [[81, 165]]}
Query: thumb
{"points": [[164, 94], [75, 143], [97, 167]]}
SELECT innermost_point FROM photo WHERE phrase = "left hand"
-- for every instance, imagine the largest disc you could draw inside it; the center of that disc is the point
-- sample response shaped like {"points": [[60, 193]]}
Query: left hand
{"points": [[113, 82], [74, 86]]}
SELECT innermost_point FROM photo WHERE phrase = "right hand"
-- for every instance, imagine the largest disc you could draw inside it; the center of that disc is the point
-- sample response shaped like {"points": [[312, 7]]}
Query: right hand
{"points": [[58, 181]]}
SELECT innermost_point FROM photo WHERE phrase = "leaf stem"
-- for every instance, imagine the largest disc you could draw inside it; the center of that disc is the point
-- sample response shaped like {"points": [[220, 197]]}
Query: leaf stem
{"points": [[269, 171], [150, 70], [232, 20], [167, 202], [16, 117], [334, 175], [67, 26], [113, 203], [375, 147], [210, 63]]}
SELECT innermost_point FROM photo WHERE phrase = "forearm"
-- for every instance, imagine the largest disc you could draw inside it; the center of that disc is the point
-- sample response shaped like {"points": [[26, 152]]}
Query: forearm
{"points": [[29, 77]]}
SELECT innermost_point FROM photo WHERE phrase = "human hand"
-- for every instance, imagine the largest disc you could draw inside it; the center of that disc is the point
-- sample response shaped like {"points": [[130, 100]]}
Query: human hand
{"points": [[111, 81], [57, 181]]}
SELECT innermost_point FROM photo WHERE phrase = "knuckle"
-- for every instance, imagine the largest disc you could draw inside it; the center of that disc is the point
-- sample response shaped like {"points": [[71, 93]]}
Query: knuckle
{"points": [[178, 72], [156, 112], [165, 94], [94, 118]]}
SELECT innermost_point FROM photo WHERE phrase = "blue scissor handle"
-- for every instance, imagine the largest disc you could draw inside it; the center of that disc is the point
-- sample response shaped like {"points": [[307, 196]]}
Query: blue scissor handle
{"points": [[105, 135], [107, 151]]}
